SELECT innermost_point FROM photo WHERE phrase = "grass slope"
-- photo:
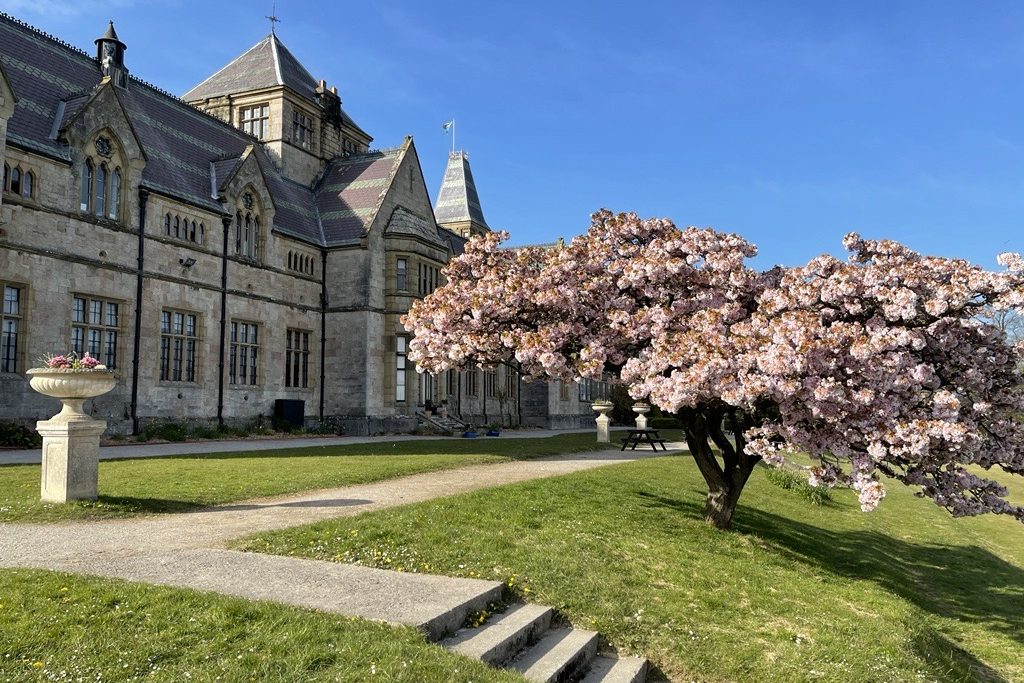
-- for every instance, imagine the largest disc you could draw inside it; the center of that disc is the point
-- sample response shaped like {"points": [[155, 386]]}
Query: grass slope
{"points": [[57, 627], [797, 592], [176, 484]]}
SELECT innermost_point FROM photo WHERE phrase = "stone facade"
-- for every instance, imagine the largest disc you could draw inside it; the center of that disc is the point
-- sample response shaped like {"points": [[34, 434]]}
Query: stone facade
{"points": [[221, 272]]}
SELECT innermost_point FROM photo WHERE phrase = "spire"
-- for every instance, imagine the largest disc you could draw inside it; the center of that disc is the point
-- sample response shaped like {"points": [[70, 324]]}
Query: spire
{"points": [[458, 204], [110, 54]]}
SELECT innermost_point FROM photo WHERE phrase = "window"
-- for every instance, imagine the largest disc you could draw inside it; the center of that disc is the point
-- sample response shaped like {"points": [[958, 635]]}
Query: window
{"points": [[247, 228], [429, 277], [184, 229], [563, 391], [452, 382], [296, 360], [11, 317], [19, 181], [245, 348], [511, 381], [402, 274], [302, 129], [102, 183], [591, 390], [255, 121], [490, 383], [94, 327], [400, 367], [472, 382], [300, 263], [179, 336]]}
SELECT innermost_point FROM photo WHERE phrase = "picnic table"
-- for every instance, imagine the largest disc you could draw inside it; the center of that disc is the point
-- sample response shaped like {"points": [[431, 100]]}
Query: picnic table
{"points": [[635, 437]]}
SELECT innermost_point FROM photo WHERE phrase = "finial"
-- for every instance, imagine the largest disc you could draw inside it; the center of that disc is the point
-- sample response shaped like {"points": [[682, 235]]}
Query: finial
{"points": [[273, 18]]}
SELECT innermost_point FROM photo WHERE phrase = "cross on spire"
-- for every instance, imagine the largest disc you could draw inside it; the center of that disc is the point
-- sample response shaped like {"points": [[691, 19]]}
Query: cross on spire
{"points": [[273, 18]]}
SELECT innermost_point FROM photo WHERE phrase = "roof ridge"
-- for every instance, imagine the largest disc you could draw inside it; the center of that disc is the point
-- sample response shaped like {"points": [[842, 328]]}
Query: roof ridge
{"points": [[43, 34], [277, 58], [295, 59], [215, 73]]}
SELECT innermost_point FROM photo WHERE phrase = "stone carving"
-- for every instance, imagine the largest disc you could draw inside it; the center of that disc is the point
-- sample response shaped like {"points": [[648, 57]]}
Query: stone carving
{"points": [[104, 148], [248, 200]]}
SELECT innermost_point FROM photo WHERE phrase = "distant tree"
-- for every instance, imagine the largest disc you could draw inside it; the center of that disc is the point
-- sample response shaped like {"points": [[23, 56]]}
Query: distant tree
{"points": [[1010, 322], [876, 365]]}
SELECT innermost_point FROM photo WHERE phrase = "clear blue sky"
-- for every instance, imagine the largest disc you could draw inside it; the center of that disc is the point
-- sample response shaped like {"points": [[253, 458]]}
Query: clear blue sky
{"points": [[790, 123]]}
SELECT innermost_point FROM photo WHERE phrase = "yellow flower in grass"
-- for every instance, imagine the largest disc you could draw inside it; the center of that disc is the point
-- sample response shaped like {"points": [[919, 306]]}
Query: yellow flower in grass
{"points": [[37, 665]]}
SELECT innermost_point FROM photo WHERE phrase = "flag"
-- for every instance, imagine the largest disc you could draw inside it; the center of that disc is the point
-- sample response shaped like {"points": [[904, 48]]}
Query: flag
{"points": [[447, 125]]}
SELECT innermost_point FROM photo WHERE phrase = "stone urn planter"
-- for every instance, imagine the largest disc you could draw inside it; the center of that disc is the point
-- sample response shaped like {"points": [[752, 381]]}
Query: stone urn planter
{"points": [[641, 409], [602, 408], [71, 439]]}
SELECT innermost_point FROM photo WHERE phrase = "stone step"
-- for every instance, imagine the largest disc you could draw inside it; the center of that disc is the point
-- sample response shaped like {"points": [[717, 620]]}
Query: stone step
{"points": [[621, 670], [559, 656], [503, 636]]}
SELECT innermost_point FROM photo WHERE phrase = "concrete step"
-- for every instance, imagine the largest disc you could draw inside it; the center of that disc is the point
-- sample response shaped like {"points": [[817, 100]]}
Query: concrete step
{"points": [[504, 636], [621, 670], [558, 657]]}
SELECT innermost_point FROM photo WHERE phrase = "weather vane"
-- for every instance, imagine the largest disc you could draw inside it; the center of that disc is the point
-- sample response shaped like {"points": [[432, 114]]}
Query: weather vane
{"points": [[273, 17]]}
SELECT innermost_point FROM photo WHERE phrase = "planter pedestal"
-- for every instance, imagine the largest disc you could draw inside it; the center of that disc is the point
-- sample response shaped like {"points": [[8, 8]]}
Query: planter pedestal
{"points": [[71, 449], [603, 421], [71, 439], [641, 410]]}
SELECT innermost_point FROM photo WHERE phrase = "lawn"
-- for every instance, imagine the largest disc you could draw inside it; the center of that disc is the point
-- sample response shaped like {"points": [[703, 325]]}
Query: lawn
{"points": [[177, 484], [58, 627], [798, 592]]}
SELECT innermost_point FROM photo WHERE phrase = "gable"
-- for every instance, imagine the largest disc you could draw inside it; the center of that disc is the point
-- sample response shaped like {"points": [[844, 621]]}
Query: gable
{"points": [[7, 96]]}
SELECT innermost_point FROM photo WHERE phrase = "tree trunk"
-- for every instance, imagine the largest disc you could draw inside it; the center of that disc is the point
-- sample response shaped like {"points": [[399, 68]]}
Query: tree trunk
{"points": [[725, 479]]}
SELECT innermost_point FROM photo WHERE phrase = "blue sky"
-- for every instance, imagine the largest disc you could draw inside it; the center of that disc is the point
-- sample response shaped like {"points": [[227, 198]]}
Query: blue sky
{"points": [[789, 123]]}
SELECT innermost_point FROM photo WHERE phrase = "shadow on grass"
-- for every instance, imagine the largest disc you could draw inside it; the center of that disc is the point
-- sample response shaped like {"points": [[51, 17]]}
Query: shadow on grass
{"points": [[967, 583]]}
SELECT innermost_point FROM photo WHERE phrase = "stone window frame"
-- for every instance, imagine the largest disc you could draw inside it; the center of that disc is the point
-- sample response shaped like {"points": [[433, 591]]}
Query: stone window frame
{"points": [[472, 381], [12, 319], [401, 368], [184, 229], [244, 353], [103, 200], [249, 122], [108, 334], [27, 180], [302, 129], [563, 391], [184, 368], [402, 273], [428, 277], [490, 383], [591, 389], [296, 363], [248, 220], [301, 263], [451, 382]]}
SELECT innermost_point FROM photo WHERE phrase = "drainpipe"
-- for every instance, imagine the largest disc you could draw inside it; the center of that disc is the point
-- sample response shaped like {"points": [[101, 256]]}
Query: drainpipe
{"points": [[226, 220], [137, 343], [323, 329]]}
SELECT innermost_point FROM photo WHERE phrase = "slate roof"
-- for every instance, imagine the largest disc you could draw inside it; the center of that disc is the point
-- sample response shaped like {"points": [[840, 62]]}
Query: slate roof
{"points": [[350, 193], [455, 241], [458, 200], [266, 64], [183, 146]]}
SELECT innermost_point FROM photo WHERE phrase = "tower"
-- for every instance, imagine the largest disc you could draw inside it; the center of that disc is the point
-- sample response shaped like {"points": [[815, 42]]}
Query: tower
{"points": [[110, 53], [458, 204]]}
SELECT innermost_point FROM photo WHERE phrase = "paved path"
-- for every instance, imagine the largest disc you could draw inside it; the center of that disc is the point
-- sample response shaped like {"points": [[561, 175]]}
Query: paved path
{"points": [[30, 456], [188, 549]]}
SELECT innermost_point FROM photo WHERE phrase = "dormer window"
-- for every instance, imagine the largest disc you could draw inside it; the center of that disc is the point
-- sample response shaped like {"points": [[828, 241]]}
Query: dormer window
{"points": [[102, 182]]}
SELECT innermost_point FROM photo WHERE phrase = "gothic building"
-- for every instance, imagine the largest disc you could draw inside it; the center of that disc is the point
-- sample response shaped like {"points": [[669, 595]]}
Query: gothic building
{"points": [[227, 250]]}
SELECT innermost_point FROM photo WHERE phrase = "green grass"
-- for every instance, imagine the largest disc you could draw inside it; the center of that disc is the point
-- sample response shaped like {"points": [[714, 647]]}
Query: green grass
{"points": [[177, 484], [798, 592], [58, 627]]}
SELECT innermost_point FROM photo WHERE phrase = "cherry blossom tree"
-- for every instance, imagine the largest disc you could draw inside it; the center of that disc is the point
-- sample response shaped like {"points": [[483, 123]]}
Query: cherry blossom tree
{"points": [[882, 364]]}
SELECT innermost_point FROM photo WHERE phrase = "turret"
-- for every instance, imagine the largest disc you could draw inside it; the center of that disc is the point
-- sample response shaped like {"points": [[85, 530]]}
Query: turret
{"points": [[110, 54]]}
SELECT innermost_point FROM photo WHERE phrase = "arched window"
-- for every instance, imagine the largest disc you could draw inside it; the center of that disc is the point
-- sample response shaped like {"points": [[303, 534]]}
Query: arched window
{"points": [[192, 233], [177, 226], [247, 228], [16, 181], [167, 225], [202, 233], [245, 235], [289, 260], [238, 232], [114, 209], [255, 251], [86, 194], [100, 196], [7, 174], [27, 184]]}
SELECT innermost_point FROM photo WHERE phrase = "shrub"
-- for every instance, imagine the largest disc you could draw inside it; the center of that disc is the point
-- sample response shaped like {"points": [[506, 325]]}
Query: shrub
{"points": [[328, 425], [797, 483], [17, 436], [664, 423]]}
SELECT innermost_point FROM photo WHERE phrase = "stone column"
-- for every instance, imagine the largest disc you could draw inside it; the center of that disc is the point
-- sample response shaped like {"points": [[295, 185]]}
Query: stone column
{"points": [[641, 410], [603, 421], [71, 448]]}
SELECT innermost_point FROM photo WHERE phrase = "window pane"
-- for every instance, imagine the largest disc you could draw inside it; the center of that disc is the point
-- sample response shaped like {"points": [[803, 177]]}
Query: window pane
{"points": [[78, 310], [12, 301], [95, 311], [165, 322], [100, 198], [111, 315], [77, 339]]}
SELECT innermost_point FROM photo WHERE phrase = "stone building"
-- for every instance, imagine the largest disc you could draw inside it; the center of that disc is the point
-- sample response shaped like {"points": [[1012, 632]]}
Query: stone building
{"points": [[227, 250]]}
